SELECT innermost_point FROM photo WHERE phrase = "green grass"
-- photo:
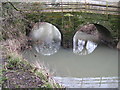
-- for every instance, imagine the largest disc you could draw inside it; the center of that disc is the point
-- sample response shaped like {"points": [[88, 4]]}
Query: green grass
{"points": [[16, 63], [2, 78]]}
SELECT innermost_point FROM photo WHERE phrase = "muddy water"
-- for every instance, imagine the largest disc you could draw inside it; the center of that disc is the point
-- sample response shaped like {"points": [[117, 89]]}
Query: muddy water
{"points": [[102, 62]]}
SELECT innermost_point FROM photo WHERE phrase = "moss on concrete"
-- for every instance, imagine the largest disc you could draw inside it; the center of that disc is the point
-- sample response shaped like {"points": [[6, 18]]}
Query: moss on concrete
{"points": [[68, 25]]}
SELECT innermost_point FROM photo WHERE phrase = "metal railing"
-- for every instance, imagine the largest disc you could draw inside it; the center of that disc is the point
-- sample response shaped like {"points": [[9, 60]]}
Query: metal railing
{"points": [[90, 82], [101, 7], [88, 7]]}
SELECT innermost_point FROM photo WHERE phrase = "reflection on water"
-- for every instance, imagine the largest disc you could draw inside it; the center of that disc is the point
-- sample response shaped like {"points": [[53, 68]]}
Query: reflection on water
{"points": [[47, 48], [84, 47], [47, 37], [103, 62], [83, 43]]}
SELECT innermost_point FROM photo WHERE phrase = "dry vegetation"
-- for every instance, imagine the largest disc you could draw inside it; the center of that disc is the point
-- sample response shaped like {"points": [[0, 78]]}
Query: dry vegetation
{"points": [[16, 26], [18, 72]]}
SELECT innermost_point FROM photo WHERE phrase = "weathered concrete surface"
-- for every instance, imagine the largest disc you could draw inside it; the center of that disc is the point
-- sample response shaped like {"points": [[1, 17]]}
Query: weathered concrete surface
{"points": [[118, 45], [97, 33], [91, 31]]}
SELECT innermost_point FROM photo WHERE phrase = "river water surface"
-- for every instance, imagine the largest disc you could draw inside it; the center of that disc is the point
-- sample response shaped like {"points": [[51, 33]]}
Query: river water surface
{"points": [[102, 62], [96, 70], [88, 59]]}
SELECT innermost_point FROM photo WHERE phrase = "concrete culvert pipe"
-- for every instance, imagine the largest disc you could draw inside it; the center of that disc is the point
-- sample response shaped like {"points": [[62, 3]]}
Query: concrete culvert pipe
{"points": [[88, 36], [46, 37]]}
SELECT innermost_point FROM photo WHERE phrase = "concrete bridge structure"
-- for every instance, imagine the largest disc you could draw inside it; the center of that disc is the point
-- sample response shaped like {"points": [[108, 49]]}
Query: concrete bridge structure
{"points": [[69, 17]]}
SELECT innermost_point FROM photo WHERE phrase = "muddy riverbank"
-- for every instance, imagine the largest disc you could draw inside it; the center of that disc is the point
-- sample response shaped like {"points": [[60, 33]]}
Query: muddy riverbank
{"points": [[19, 73]]}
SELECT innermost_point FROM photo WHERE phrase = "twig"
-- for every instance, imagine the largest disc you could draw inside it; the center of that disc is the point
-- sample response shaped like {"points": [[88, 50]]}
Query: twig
{"points": [[14, 6], [21, 12]]}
